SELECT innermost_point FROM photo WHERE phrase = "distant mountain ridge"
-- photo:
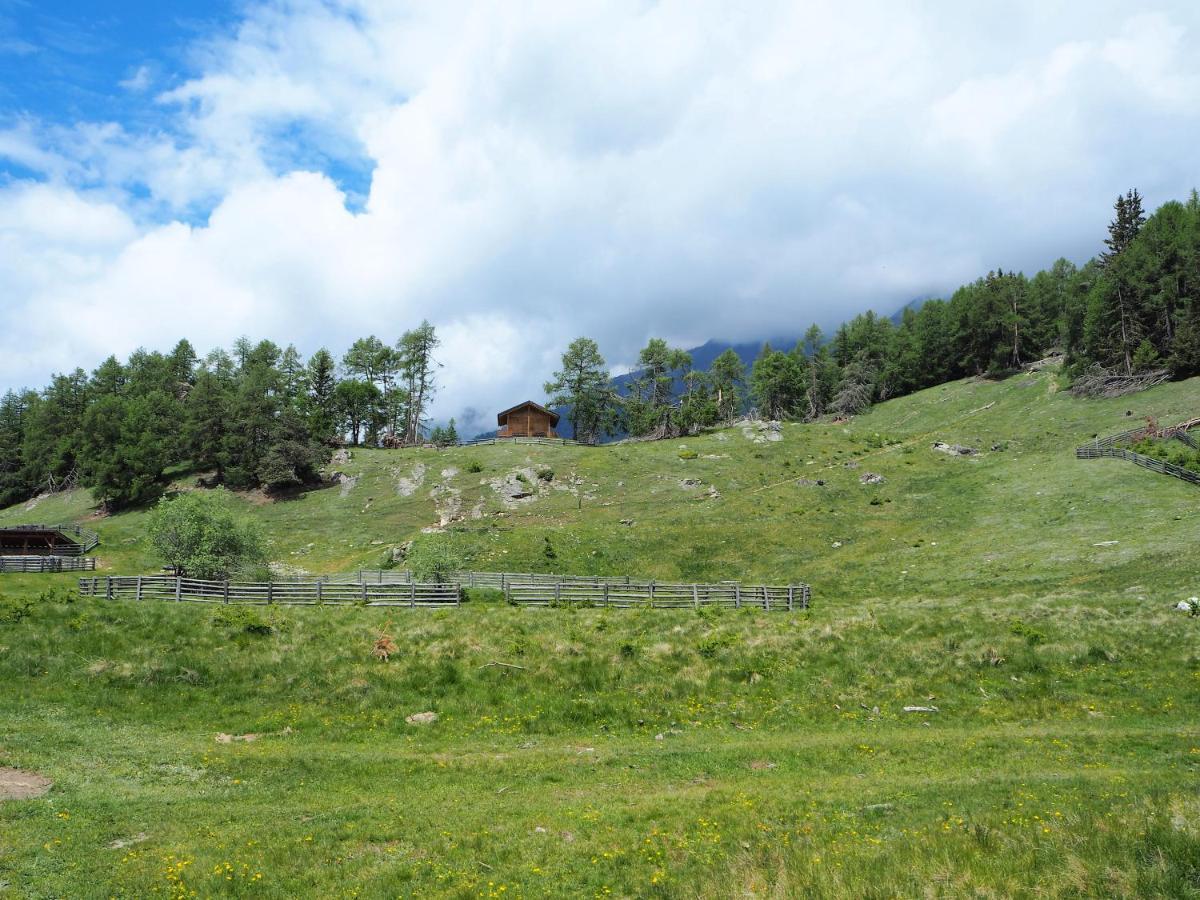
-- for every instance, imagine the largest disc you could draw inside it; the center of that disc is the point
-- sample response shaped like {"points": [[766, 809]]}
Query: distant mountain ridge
{"points": [[703, 356]]}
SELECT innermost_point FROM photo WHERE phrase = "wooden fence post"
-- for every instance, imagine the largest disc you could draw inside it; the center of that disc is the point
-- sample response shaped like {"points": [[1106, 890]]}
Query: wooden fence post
{"points": [[412, 594], [137, 594], [791, 598], [696, 596], [320, 600], [178, 589], [270, 592], [737, 596], [108, 588], [766, 598], [226, 590]]}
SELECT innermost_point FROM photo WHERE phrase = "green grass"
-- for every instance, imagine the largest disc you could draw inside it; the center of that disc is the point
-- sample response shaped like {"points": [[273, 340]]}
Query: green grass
{"points": [[1022, 519], [1063, 760]]}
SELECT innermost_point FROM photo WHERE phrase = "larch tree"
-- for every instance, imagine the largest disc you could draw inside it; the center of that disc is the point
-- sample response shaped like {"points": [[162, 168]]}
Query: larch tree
{"points": [[418, 369], [584, 386]]}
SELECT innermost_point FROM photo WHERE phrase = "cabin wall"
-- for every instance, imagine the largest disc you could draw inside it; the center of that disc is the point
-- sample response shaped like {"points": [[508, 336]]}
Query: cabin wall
{"points": [[526, 423]]}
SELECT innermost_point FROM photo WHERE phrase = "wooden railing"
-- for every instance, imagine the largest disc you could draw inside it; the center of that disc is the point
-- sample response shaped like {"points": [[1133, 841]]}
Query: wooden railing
{"points": [[544, 441], [86, 539], [43, 564], [1118, 446], [540, 588], [312, 593], [496, 580], [395, 588], [658, 595]]}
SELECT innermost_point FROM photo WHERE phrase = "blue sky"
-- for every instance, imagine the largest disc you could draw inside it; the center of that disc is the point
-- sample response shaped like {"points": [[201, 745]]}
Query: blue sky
{"points": [[520, 174], [66, 61]]}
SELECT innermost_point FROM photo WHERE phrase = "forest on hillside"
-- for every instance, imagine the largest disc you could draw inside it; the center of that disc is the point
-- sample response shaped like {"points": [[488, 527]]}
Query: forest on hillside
{"points": [[262, 416]]}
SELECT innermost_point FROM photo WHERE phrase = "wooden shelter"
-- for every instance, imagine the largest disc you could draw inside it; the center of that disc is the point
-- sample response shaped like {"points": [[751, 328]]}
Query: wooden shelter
{"points": [[526, 419], [46, 540]]}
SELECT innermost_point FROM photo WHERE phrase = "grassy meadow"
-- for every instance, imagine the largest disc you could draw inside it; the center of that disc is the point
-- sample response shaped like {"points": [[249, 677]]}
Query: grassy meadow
{"points": [[1023, 596]]}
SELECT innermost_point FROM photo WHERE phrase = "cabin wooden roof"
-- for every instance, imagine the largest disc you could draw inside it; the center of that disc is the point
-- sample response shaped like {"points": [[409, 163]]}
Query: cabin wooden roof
{"points": [[502, 417]]}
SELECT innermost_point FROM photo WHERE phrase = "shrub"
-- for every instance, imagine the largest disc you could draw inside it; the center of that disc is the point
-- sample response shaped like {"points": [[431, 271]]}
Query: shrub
{"points": [[245, 619], [545, 474], [200, 535], [434, 560], [1033, 636], [14, 609], [712, 644], [474, 466]]}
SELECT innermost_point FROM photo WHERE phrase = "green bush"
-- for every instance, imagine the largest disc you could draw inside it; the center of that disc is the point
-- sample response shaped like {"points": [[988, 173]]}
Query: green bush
{"points": [[545, 474], [14, 609], [1033, 636], [474, 466], [713, 644], [688, 454], [245, 619], [434, 560], [201, 536]]}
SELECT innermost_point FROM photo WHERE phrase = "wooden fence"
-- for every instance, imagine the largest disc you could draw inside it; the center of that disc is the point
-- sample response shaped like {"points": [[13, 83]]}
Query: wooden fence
{"points": [[495, 580], [41, 564], [543, 441], [85, 538], [1118, 446], [396, 588], [539, 588], [311, 593], [658, 595]]}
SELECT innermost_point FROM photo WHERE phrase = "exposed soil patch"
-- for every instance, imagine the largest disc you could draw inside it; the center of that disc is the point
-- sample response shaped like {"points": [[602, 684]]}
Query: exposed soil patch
{"points": [[16, 784]]}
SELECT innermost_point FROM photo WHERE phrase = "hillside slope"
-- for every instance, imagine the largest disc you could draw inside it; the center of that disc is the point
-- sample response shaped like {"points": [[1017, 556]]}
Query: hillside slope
{"points": [[988, 698], [1022, 516]]}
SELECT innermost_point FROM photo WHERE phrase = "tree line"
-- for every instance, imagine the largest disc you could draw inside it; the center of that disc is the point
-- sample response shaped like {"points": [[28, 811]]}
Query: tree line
{"points": [[258, 416], [264, 417], [1132, 309]]}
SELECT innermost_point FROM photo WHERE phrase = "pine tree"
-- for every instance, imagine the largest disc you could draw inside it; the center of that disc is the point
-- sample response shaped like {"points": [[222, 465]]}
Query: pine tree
{"points": [[583, 386], [776, 383], [727, 377], [320, 403]]}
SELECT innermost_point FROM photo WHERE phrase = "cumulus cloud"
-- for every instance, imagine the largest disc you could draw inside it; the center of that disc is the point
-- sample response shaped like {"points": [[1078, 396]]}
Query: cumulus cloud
{"points": [[539, 171]]}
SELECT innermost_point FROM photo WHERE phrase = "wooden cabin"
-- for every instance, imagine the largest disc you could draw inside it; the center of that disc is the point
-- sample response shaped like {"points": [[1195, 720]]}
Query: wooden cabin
{"points": [[526, 419], [46, 540]]}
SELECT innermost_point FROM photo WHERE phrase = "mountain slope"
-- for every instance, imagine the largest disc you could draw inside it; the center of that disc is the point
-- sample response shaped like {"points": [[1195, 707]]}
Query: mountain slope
{"points": [[1025, 516]]}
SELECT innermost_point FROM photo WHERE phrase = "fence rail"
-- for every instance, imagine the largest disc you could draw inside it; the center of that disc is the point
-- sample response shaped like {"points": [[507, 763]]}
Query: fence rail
{"points": [[42, 564], [312, 593], [86, 538], [539, 588], [657, 595], [544, 441], [496, 580], [1117, 447]]}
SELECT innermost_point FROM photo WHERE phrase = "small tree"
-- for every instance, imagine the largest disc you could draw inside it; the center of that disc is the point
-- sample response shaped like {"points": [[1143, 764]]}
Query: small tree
{"points": [[200, 535], [433, 560]]}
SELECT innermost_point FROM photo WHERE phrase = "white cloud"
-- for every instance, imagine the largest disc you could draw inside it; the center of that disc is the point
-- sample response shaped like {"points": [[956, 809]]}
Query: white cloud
{"points": [[140, 80], [539, 171]]}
